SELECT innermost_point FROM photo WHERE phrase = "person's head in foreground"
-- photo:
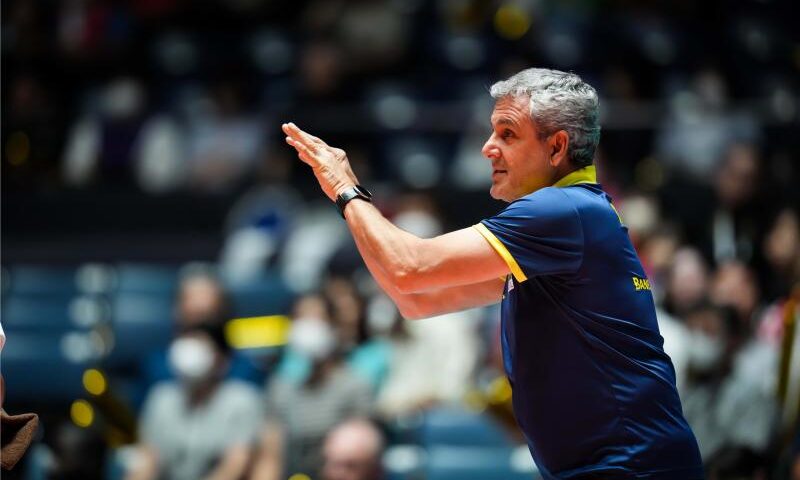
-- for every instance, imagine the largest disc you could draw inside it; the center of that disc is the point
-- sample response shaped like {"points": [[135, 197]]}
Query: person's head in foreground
{"points": [[544, 126], [199, 357], [353, 451]]}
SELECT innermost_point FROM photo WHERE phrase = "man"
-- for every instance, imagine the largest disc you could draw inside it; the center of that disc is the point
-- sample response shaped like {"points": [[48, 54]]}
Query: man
{"points": [[200, 425], [353, 451], [594, 392]]}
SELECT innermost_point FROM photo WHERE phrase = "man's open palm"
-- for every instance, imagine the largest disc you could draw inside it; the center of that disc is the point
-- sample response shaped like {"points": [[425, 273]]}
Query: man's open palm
{"points": [[330, 165]]}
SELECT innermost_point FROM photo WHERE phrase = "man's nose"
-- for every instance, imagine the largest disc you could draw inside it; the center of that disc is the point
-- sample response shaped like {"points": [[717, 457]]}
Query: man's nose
{"points": [[490, 149]]}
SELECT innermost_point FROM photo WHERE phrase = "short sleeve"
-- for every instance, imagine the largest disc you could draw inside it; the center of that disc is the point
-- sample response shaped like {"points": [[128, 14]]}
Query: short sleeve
{"points": [[539, 234]]}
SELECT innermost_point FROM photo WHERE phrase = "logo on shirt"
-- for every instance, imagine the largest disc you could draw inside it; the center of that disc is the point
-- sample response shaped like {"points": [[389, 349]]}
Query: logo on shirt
{"points": [[641, 283]]}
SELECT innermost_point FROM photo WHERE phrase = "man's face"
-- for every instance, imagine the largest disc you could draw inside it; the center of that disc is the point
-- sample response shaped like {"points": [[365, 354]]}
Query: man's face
{"points": [[519, 154]]}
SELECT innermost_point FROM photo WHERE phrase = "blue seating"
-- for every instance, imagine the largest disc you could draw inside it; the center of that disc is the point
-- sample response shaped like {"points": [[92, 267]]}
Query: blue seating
{"points": [[29, 312], [457, 427], [479, 463], [36, 368], [140, 322], [265, 295], [147, 278], [41, 280]]}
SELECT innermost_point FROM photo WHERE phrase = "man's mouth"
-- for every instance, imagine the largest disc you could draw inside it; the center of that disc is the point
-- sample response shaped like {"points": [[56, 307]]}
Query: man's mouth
{"points": [[496, 172]]}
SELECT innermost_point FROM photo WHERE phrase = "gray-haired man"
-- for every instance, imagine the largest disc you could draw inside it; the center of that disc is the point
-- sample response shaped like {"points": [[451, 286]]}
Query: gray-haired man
{"points": [[594, 392]]}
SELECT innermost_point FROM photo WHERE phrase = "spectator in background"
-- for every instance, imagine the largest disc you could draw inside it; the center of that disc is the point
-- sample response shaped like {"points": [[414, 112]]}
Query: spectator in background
{"points": [[687, 283], [782, 252], [367, 357], [700, 126], [343, 307], [322, 71], [446, 348], [258, 224], [373, 34], [658, 251], [300, 411], [100, 148], [734, 285], [200, 425], [353, 451], [737, 219], [201, 300], [201, 297], [726, 219], [224, 141], [725, 403]]}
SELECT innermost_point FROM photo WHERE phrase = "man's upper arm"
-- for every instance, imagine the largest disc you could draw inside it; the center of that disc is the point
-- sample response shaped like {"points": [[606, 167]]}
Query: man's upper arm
{"points": [[462, 257], [539, 234]]}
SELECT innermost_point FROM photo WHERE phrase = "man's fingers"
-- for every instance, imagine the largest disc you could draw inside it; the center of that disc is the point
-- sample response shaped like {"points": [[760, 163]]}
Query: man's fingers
{"points": [[302, 151], [296, 134], [307, 139]]}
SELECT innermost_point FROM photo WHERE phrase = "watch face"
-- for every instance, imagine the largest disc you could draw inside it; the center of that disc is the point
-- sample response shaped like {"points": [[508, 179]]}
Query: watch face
{"points": [[363, 191]]}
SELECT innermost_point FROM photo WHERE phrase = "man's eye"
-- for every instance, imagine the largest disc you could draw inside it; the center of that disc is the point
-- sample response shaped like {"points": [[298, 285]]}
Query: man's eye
{"points": [[507, 134]]}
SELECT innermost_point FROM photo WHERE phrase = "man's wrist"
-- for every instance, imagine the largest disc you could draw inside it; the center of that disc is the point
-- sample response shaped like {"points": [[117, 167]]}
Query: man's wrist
{"points": [[347, 195], [343, 188]]}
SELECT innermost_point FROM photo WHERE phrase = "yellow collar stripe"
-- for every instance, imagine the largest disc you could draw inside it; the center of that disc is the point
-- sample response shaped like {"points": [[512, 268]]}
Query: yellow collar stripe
{"points": [[502, 251], [584, 175]]}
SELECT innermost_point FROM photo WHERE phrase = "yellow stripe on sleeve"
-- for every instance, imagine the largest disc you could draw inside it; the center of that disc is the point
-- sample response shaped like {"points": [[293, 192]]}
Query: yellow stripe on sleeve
{"points": [[502, 251], [615, 211]]}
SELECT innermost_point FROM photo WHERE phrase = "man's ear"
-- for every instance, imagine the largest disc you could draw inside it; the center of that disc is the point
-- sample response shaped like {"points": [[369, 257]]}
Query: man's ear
{"points": [[557, 146]]}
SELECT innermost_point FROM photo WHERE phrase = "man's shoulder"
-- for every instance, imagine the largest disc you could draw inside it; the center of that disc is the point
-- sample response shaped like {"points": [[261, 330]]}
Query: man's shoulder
{"points": [[552, 202]]}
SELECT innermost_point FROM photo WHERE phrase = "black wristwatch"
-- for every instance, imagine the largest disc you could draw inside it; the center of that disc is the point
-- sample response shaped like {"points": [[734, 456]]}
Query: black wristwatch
{"points": [[354, 192]]}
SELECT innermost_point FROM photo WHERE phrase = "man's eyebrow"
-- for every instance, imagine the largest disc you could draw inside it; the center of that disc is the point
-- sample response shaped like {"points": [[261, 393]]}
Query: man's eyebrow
{"points": [[505, 121]]}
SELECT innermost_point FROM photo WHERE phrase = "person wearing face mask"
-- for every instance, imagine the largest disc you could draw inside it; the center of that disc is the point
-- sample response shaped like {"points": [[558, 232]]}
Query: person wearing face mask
{"points": [[300, 412], [199, 425], [201, 299], [732, 416]]}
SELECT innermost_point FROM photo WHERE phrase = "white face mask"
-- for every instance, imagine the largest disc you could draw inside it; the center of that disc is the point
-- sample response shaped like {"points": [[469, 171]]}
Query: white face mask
{"points": [[419, 223], [312, 338], [705, 352], [192, 359]]}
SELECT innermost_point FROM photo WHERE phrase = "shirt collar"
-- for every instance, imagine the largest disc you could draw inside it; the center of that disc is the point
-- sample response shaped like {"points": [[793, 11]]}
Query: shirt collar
{"points": [[586, 174]]}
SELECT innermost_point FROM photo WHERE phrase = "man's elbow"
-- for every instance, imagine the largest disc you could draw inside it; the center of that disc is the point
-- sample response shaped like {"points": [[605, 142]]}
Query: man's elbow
{"points": [[412, 314], [411, 310], [406, 280]]}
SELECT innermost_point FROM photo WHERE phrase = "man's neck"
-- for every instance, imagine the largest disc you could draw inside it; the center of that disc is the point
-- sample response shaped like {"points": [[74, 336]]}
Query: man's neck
{"points": [[587, 174]]}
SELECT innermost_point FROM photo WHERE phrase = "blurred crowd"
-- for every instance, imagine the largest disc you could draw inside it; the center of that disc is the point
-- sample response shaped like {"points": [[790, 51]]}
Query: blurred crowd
{"points": [[165, 100]]}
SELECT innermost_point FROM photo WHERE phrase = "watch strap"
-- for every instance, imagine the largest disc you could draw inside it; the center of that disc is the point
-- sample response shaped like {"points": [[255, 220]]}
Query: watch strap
{"points": [[351, 193]]}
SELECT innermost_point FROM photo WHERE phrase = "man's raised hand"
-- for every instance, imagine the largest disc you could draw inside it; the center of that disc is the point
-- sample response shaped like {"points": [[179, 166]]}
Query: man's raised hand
{"points": [[330, 165]]}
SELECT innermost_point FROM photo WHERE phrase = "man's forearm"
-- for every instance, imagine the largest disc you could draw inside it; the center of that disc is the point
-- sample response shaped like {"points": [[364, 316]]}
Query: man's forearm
{"points": [[390, 250], [403, 302], [434, 302]]}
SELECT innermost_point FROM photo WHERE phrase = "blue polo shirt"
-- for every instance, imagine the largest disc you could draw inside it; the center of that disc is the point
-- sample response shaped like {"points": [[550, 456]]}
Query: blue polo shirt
{"points": [[593, 391]]}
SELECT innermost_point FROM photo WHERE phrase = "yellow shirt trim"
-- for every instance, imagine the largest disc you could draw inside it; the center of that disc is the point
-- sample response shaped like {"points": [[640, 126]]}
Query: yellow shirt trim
{"points": [[586, 174], [502, 251]]}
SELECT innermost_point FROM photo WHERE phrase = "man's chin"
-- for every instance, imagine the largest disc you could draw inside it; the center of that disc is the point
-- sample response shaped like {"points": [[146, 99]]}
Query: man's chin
{"points": [[497, 194]]}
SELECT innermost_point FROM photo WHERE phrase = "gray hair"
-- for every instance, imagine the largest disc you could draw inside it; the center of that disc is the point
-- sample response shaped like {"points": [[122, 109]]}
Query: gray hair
{"points": [[558, 101]]}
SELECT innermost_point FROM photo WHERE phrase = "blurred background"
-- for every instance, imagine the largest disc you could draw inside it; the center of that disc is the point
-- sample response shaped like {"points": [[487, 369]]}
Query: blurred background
{"points": [[175, 285]]}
